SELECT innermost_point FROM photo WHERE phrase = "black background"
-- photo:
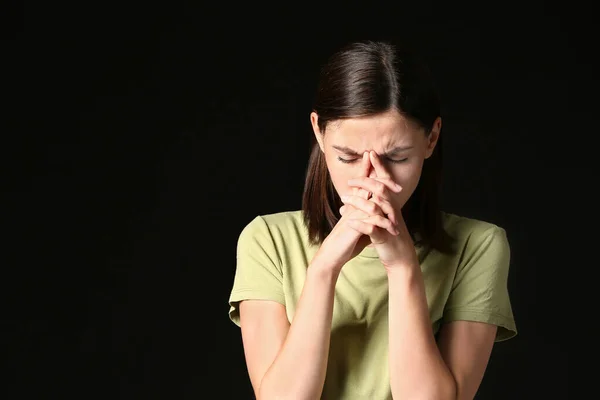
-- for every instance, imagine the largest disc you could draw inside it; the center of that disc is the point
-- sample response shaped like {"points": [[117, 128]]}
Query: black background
{"points": [[141, 138]]}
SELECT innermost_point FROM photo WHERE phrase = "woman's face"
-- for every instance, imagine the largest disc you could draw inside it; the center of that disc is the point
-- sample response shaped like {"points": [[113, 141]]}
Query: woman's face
{"points": [[400, 144]]}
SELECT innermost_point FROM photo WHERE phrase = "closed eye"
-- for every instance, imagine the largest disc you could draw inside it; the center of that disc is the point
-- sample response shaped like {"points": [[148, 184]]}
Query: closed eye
{"points": [[351, 160], [347, 161], [397, 161]]}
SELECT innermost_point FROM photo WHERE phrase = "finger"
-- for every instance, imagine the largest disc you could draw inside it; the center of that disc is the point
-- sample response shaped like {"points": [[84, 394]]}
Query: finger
{"points": [[380, 169], [371, 226], [364, 163], [357, 191], [389, 183], [381, 222], [352, 212], [367, 206], [362, 227], [376, 186], [375, 205], [388, 210], [364, 172]]}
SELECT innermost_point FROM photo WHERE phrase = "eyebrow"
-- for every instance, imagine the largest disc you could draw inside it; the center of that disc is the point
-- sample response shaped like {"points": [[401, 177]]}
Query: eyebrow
{"points": [[351, 152]]}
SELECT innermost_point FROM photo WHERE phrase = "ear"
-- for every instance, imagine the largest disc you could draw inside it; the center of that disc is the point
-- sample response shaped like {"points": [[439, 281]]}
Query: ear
{"points": [[314, 121], [433, 137]]}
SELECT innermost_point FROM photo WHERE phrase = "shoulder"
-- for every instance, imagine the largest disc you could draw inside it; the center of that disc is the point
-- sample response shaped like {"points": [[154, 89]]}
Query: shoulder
{"points": [[464, 228], [276, 222], [282, 237], [280, 228], [477, 239], [284, 220]]}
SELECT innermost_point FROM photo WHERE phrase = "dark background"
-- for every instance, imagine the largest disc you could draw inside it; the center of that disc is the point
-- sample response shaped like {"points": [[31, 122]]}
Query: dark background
{"points": [[140, 139]]}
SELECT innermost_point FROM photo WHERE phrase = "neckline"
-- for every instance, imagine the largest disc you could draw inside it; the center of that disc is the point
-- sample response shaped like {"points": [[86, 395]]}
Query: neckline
{"points": [[369, 252]]}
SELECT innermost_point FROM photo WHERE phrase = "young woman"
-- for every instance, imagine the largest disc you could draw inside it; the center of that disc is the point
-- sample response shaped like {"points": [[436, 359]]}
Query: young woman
{"points": [[371, 291]]}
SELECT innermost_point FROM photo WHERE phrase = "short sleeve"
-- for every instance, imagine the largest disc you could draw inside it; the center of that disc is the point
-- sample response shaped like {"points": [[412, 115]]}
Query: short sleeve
{"points": [[479, 292], [258, 274]]}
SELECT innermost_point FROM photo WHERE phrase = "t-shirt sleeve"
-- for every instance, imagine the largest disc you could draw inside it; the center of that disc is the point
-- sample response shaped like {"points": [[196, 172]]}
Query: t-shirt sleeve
{"points": [[258, 274], [479, 292]]}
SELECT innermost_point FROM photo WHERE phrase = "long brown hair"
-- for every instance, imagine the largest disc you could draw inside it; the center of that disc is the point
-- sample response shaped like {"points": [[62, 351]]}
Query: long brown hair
{"points": [[368, 78]]}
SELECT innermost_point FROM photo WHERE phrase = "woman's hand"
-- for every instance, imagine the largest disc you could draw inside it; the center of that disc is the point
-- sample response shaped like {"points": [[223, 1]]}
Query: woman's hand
{"points": [[382, 218], [345, 242]]}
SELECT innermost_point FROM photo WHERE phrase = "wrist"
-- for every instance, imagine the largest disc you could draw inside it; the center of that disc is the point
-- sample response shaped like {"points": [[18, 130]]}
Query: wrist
{"points": [[323, 271], [406, 269]]}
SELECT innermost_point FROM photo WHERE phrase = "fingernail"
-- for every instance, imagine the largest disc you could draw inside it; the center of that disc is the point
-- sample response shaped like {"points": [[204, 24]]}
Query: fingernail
{"points": [[345, 198]]}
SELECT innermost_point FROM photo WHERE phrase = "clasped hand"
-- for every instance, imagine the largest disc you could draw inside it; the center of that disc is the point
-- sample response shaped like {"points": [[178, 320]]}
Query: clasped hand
{"points": [[381, 218]]}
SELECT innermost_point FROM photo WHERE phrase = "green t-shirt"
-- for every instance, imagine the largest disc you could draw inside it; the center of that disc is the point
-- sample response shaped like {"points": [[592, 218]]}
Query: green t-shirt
{"points": [[272, 257]]}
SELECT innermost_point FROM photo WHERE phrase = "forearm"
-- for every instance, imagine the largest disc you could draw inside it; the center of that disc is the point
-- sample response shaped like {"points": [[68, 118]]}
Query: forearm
{"points": [[417, 370], [298, 371]]}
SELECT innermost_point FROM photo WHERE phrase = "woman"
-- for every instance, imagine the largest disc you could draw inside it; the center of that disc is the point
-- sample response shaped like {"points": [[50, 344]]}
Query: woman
{"points": [[371, 291]]}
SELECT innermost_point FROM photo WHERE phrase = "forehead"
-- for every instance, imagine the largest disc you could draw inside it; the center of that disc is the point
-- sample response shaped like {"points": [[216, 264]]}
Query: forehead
{"points": [[375, 132]]}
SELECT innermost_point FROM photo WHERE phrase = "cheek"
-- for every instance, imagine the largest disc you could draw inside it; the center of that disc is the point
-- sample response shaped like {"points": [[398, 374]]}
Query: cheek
{"points": [[340, 175], [407, 177]]}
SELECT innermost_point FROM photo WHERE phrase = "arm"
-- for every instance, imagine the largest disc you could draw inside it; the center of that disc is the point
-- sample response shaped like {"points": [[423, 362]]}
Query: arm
{"points": [[418, 368], [290, 361], [466, 348]]}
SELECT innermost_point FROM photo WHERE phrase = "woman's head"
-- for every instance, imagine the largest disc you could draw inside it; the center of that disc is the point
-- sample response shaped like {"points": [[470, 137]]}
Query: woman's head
{"points": [[374, 96]]}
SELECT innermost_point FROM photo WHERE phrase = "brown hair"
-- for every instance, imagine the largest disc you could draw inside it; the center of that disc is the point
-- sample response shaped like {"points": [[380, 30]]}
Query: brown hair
{"points": [[368, 78]]}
